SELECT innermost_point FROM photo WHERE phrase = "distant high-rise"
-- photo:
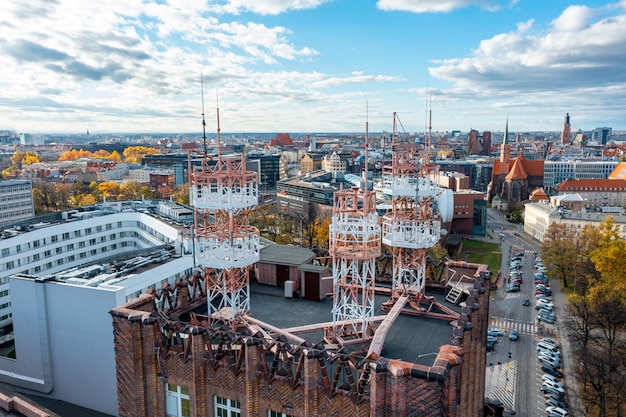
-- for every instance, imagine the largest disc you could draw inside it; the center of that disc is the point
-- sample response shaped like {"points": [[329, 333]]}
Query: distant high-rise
{"points": [[566, 134], [487, 143], [601, 134]]}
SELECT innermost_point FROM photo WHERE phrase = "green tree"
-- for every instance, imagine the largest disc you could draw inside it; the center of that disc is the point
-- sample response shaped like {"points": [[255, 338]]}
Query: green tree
{"points": [[559, 251]]}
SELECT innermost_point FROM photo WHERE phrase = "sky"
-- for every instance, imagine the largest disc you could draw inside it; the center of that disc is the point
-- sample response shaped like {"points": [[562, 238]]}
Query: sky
{"points": [[71, 66]]}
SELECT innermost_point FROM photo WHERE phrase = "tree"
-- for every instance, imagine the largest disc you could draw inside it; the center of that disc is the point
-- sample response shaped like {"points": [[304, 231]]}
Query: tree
{"points": [[73, 155], [27, 158], [134, 190], [109, 190], [62, 194], [82, 199], [559, 252], [133, 154], [181, 195]]}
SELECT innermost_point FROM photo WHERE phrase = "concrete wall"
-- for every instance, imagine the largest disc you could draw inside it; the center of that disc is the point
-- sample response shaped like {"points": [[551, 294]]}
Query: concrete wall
{"points": [[64, 343]]}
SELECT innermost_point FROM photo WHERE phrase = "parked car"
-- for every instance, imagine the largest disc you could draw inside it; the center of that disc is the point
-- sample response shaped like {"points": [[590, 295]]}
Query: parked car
{"points": [[494, 331], [551, 370], [550, 361], [555, 402], [550, 341], [557, 411], [555, 385], [490, 347], [513, 335], [548, 377], [492, 339], [513, 288]]}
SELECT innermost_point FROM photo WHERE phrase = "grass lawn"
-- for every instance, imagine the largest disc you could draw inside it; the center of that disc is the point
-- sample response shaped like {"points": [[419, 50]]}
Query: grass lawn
{"points": [[482, 253]]}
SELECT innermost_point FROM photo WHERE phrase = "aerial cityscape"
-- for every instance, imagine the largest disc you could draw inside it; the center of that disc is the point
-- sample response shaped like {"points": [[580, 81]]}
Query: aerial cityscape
{"points": [[300, 208]]}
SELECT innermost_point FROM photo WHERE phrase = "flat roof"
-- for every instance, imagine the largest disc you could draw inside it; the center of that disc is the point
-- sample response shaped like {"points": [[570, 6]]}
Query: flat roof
{"points": [[408, 339]]}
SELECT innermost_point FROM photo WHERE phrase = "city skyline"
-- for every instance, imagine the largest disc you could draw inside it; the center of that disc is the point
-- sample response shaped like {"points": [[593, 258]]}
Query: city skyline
{"points": [[311, 65]]}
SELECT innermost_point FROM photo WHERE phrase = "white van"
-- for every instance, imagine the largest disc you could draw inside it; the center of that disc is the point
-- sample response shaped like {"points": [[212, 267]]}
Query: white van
{"points": [[547, 347]]}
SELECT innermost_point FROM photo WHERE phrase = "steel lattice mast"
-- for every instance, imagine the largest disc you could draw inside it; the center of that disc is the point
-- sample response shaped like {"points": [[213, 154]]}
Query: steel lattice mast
{"points": [[226, 245], [354, 247], [413, 225]]}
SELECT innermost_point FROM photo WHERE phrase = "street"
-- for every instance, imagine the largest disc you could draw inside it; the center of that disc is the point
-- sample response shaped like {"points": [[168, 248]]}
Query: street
{"points": [[513, 374]]}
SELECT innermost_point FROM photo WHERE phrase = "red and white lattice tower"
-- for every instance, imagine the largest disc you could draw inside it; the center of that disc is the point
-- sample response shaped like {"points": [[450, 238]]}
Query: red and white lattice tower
{"points": [[226, 245], [354, 247], [413, 225]]}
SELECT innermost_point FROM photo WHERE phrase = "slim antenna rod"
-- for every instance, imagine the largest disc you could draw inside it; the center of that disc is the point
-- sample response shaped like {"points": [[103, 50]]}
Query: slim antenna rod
{"points": [[203, 121], [365, 192], [219, 141], [430, 129]]}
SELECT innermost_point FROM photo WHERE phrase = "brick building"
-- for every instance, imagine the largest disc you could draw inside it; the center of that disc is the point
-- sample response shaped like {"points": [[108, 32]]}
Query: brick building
{"points": [[178, 362]]}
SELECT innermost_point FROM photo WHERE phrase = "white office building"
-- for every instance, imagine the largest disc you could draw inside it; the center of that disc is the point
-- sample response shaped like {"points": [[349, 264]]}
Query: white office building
{"points": [[539, 216], [556, 171], [16, 201], [57, 286]]}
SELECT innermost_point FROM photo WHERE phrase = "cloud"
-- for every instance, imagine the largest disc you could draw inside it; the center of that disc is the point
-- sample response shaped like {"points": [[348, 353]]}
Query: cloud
{"points": [[436, 6], [270, 7], [576, 52]]}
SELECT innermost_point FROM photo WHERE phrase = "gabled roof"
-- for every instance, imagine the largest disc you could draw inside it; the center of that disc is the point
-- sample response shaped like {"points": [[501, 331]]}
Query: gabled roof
{"points": [[281, 139], [538, 194], [517, 172], [593, 184]]}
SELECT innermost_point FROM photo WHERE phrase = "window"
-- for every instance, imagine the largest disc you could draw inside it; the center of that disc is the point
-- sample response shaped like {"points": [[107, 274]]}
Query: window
{"points": [[272, 413], [88, 231], [5, 251], [177, 401], [66, 236], [54, 238], [59, 250], [98, 228], [70, 246], [225, 407]]}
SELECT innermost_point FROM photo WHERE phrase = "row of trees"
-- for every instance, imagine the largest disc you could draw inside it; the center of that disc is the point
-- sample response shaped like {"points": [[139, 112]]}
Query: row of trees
{"points": [[591, 262], [49, 197], [132, 154]]}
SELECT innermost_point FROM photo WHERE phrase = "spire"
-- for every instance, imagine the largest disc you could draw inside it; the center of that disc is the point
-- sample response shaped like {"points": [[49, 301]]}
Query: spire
{"points": [[506, 132], [505, 148]]}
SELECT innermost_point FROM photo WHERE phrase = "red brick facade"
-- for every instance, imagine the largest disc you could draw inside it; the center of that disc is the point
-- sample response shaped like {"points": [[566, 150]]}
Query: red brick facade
{"points": [[264, 373]]}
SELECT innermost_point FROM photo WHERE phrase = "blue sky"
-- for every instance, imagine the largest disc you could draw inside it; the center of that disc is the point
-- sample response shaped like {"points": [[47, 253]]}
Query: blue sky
{"points": [[311, 65]]}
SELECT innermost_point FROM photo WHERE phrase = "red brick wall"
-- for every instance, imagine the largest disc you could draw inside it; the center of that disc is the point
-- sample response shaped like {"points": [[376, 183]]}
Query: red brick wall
{"points": [[301, 384]]}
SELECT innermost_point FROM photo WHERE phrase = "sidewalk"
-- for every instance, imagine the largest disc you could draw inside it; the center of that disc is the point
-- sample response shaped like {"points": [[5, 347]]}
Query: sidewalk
{"points": [[570, 365]]}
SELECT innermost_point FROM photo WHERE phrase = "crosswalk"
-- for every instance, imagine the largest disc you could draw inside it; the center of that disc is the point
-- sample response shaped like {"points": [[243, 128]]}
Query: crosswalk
{"points": [[501, 383], [511, 295], [506, 325]]}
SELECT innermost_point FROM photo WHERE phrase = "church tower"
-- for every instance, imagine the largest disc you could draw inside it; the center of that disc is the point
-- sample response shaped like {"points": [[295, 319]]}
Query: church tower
{"points": [[505, 148], [566, 134]]}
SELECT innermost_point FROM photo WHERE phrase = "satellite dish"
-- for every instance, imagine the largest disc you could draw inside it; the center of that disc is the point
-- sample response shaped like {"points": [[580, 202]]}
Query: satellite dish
{"points": [[445, 202]]}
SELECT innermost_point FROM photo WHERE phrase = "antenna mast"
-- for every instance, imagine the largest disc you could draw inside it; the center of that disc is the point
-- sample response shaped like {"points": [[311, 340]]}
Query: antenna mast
{"points": [[203, 121], [219, 141]]}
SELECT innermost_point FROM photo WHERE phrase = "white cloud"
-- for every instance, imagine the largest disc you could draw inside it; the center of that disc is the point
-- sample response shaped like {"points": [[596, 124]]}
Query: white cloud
{"points": [[270, 7], [436, 6]]}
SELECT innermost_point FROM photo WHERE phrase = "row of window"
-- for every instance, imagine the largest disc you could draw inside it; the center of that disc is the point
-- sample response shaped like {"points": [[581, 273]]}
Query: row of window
{"points": [[71, 258], [177, 404]]}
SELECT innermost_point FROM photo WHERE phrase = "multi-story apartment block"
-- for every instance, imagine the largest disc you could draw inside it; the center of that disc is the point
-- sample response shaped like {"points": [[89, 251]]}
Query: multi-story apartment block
{"points": [[16, 201]]}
